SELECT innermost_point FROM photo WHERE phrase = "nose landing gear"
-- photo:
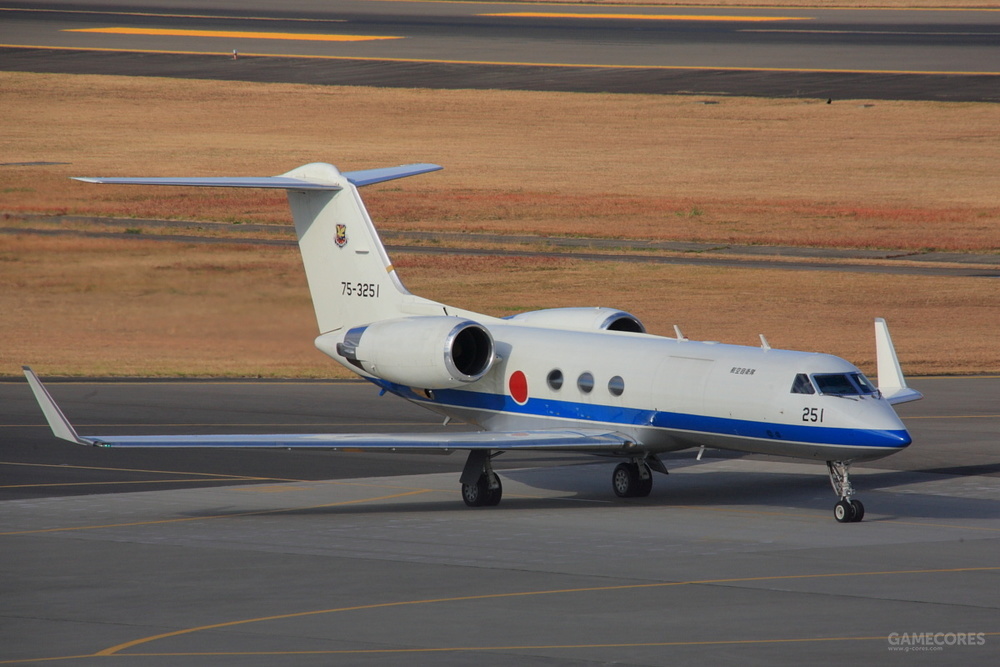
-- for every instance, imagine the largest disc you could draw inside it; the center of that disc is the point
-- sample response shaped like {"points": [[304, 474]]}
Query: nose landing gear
{"points": [[847, 510]]}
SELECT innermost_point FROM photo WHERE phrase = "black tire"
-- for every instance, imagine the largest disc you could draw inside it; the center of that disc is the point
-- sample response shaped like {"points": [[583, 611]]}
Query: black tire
{"points": [[493, 495], [480, 494], [625, 480], [859, 511], [844, 512], [645, 486]]}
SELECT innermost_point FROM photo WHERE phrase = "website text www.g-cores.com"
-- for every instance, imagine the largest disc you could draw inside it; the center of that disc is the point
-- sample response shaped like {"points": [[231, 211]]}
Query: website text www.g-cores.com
{"points": [[933, 641]]}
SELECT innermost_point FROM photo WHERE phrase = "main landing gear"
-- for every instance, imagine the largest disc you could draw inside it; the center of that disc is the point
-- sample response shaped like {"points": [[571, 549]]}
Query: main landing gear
{"points": [[480, 485], [847, 510], [634, 478]]}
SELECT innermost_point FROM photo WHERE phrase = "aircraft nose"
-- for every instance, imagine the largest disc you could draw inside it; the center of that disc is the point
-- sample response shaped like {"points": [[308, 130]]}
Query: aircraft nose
{"points": [[882, 427], [897, 439]]}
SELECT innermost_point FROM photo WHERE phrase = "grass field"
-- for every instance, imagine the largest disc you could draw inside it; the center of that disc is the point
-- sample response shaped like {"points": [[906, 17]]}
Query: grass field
{"points": [[907, 176]]}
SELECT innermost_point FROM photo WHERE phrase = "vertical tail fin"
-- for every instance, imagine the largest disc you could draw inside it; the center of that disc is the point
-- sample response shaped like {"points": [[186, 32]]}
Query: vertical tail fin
{"points": [[351, 279]]}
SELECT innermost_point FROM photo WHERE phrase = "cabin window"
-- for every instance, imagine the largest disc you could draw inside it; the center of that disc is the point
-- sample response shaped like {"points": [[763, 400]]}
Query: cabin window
{"points": [[844, 384], [555, 380], [616, 386], [802, 385], [585, 382]]}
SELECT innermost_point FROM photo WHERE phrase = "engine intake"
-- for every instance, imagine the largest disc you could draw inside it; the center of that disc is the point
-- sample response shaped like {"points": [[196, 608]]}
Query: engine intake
{"points": [[425, 352]]}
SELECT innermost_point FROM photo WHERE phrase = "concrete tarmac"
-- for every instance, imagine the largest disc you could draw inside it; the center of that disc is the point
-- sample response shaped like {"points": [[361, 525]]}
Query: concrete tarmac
{"points": [[730, 560]]}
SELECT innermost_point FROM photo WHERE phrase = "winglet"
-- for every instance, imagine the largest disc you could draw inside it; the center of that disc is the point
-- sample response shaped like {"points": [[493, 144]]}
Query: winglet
{"points": [[61, 428], [891, 382]]}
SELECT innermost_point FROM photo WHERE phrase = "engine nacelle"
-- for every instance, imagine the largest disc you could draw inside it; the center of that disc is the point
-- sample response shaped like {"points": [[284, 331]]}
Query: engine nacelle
{"points": [[424, 352], [581, 319]]}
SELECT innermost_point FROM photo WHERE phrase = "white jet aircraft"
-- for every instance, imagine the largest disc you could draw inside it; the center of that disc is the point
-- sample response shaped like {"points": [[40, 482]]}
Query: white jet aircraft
{"points": [[565, 379]]}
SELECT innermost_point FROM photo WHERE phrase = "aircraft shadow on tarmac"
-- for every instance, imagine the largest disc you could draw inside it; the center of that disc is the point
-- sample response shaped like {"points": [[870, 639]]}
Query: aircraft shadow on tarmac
{"points": [[588, 484]]}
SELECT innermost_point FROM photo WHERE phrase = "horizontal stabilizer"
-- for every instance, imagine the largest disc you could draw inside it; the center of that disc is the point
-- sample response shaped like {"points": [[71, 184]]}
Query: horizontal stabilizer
{"points": [[277, 182], [283, 182], [371, 176]]}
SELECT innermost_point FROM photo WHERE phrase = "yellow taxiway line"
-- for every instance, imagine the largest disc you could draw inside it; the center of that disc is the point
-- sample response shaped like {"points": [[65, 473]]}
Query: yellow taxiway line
{"points": [[116, 650], [647, 17], [233, 34]]}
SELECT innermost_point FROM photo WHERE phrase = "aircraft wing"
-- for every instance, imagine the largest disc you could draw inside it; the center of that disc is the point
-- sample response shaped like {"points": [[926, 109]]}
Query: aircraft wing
{"points": [[594, 440]]}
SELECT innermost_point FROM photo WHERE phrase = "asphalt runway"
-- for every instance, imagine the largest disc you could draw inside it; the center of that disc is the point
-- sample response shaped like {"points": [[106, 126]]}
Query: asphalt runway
{"points": [[309, 558], [828, 53]]}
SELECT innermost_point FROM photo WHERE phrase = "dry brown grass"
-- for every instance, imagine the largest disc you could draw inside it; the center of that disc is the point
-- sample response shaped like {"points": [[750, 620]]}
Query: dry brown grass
{"points": [[904, 175], [896, 174], [110, 307]]}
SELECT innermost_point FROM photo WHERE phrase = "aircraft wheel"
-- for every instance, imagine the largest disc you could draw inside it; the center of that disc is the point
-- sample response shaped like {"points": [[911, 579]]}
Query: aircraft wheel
{"points": [[645, 486], [476, 495], [625, 480], [494, 495], [480, 494], [844, 511], [859, 511]]}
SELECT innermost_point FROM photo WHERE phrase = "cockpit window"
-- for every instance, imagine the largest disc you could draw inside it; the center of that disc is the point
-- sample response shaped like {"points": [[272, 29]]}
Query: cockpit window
{"points": [[844, 384], [864, 384], [802, 385]]}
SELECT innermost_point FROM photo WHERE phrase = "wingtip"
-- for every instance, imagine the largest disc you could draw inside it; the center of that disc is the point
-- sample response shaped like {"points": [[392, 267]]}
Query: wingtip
{"points": [[60, 425]]}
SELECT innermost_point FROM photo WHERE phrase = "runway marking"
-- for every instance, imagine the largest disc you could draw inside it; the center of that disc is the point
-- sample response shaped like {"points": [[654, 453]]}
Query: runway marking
{"points": [[870, 32], [233, 34], [763, 5], [275, 488], [94, 12], [234, 515], [436, 61], [529, 647], [114, 650], [647, 17]]}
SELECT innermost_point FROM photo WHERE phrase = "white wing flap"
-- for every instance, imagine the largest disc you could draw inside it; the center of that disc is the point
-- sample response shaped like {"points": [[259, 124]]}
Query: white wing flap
{"points": [[564, 439]]}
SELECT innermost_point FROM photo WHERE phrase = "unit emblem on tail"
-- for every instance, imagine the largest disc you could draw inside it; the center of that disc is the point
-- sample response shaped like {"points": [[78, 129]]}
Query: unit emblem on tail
{"points": [[341, 238]]}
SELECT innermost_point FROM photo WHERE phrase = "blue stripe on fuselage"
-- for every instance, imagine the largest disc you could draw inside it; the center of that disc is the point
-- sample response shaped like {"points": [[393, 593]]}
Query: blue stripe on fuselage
{"points": [[675, 421]]}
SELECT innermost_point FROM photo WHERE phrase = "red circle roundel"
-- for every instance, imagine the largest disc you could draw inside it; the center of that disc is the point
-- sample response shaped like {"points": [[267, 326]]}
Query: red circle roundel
{"points": [[518, 385]]}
